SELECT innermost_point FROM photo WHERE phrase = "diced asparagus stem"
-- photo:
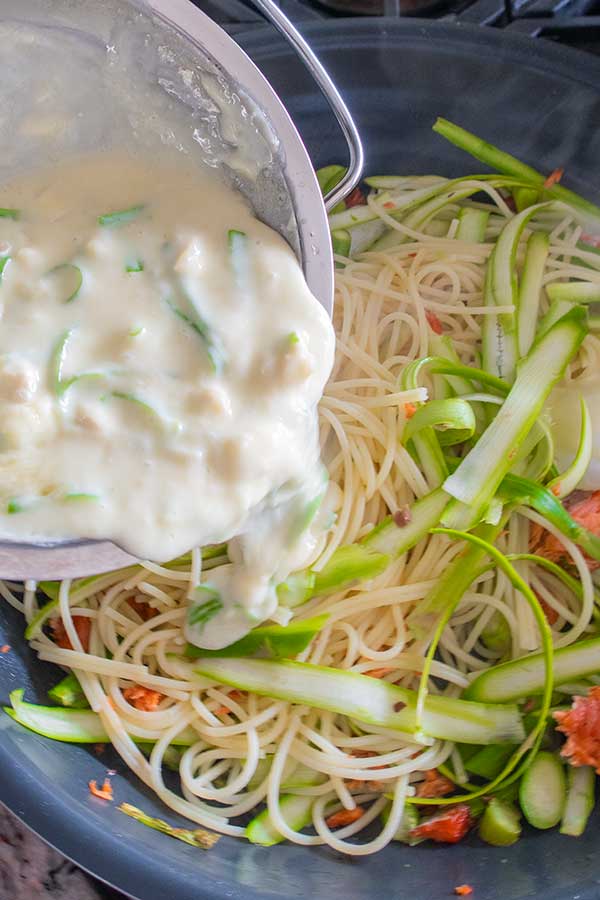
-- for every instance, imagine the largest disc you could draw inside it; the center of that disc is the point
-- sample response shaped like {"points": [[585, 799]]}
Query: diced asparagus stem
{"points": [[341, 242], [499, 825], [542, 792], [489, 761], [409, 821], [472, 224], [69, 693], [525, 197], [581, 788], [296, 812], [497, 635]]}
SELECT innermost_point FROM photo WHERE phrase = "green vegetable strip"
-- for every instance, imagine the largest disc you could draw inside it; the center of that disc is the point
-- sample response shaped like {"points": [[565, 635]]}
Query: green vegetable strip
{"points": [[531, 289], [441, 345], [68, 692], [347, 566], [409, 821], [9, 213], [439, 366], [76, 277], [74, 726], [367, 699], [504, 277], [525, 676], [581, 787], [497, 353], [411, 201], [574, 291], [520, 490], [370, 557], [120, 217], [206, 604], [393, 540], [506, 164], [237, 242], [430, 457], [525, 197], [453, 418], [341, 242], [141, 404], [567, 481], [500, 824], [573, 584], [58, 385], [527, 752], [472, 224], [328, 177], [485, 152], [501, 289], [450, 587], [278, 640], [137, 266], [296, 811], [296, 589], [197, 837], [477, 478], [80, 497], [420, 217], [489, 761], [3, 263], [197, 324], [542, 792], [425, 212]]}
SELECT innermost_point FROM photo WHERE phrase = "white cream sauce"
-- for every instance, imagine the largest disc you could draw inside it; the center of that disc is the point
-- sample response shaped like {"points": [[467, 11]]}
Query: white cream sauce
{"points": [[171, 402]]}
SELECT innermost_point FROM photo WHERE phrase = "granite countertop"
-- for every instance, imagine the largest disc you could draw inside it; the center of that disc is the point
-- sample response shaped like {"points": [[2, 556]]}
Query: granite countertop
{"points": [[31, 870]]}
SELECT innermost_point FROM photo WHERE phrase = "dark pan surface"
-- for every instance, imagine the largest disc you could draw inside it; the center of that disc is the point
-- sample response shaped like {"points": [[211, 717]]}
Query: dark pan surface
{"points": [[543, 103]]}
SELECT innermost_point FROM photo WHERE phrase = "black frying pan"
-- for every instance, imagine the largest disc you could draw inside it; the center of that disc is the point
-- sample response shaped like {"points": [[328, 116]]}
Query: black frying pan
{"points": [[542, 103]]}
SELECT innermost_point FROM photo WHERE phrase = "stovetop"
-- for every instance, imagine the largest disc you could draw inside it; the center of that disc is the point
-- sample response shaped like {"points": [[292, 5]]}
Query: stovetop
{"points": [[574, 23]]}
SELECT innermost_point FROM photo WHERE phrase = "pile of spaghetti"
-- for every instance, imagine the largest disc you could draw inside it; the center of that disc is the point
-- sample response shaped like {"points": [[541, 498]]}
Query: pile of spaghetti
{"points": [[427, 653]]}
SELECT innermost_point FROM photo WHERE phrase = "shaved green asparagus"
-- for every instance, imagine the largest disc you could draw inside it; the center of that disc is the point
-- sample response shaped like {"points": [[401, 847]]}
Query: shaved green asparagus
{"points": [[366, 699]]}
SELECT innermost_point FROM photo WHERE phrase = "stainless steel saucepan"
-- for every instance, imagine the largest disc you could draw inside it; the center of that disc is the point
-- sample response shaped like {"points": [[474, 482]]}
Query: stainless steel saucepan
{"points": [[161, 73]]}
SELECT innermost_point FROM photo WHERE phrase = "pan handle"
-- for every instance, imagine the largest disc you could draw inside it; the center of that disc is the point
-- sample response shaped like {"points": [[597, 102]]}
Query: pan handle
{"points": [[276, 17]]}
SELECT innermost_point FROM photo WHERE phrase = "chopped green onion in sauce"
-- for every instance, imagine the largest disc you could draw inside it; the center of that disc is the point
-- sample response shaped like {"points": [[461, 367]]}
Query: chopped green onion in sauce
{"points": [[121, 217]]}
